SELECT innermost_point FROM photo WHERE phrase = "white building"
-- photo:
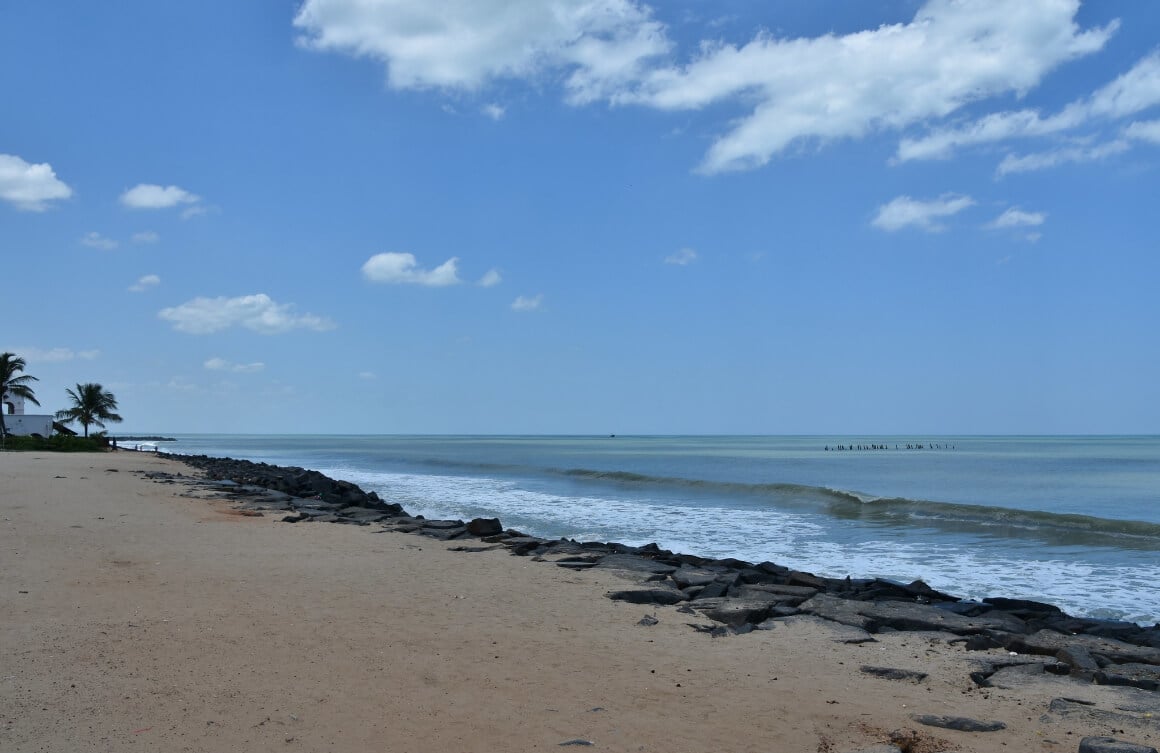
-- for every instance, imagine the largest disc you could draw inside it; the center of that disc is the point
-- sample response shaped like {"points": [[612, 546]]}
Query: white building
{"points": [[21, 424]]}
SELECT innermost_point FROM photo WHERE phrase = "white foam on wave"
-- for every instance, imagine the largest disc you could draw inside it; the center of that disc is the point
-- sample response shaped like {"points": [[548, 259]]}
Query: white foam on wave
{"points": [[800, 541]]}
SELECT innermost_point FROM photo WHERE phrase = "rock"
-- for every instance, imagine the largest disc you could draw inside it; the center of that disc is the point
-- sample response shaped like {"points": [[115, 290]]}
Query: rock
{"points": [[960, 723], [685, 576], [648, 621], [1050, 643], [891, 673], [1143, 676], [1079, 659], [632, 563], [484, 527], [1142, 714], [899, 615], [1111, 745], [736, 612], [664, 596]]}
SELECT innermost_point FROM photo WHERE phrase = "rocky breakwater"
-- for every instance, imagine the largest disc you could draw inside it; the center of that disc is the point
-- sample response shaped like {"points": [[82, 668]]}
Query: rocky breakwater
{"points": [[1017, 641]]}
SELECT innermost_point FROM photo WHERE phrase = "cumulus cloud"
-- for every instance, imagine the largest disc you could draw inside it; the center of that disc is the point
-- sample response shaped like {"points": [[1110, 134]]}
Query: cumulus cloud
{"points": [[681, 258], [527, 303], [600, 44], [96, 240], [906, 212], [400, 268], [145, 236], [1016, 217], [29, 187], [490, 279], [258, 313], [144, 283], [221, 364], [55, 355], [151, 196]]}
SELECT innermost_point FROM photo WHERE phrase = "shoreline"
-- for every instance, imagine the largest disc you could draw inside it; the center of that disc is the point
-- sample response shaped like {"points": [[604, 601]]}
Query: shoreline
{"points": [[293, 482], [166, 613]]}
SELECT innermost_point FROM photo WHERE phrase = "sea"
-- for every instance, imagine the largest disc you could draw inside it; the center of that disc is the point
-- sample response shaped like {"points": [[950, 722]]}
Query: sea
{"points": [[1074, 521]]}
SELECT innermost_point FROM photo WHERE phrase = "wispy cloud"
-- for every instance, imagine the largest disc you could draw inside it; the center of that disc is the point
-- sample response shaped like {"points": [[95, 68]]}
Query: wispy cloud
{"points": [[400, 268], [905, 212], [490, 279], [30, 187], [1061, 156], [807, 89], [221, 364], [1132, 92], [528, 303], [682, 258], [145, 283], [258, 313], [1016, 217], [493, 111], [55, 355], [145, 236], [96, 240]]}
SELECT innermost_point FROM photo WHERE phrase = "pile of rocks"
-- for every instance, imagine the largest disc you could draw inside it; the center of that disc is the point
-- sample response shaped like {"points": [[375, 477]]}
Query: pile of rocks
{"points": [[740, 596]]}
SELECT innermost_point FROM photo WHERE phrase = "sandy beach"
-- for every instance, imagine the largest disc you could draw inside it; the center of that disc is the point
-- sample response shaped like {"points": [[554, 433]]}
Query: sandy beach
{"points": [[139, 616]]}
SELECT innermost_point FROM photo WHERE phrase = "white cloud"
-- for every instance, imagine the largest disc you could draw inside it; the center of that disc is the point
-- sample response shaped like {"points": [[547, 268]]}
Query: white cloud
{"points": [[144, 283], [491, 279], [221, 364], [1128, 94], [254, 312], [151, 196], [493, 111], [367, 375], [603, 44], [527, 303], [905, 211], [808, 89], [29, 187], [55, 355], [96, 240], [1147, 130], [401, 268], [1064, 155], [833, 87], [1016, 217], [681, 258], [146, 236]]}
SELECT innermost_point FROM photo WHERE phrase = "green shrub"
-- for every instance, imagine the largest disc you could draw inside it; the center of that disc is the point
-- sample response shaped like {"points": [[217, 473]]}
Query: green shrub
{"points": [[56, 443]]}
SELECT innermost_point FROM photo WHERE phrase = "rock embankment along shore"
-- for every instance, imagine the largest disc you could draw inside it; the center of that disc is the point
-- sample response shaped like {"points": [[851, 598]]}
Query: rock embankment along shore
{"points": [[738, 597]]}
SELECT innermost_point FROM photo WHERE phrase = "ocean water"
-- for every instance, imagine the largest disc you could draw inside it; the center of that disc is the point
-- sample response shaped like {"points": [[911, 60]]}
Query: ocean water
{"points": [[1074, 521]]}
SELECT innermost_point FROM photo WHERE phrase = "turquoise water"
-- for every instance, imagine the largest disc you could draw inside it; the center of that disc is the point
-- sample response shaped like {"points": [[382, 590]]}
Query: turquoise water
{"points": [[1070, 520]]}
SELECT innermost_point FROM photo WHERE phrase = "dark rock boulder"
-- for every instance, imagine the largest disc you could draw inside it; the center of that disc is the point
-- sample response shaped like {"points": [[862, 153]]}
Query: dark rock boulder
{"points": [[960, 723], [484, 527], [892, 673], [663, 596], [1111, 745]]}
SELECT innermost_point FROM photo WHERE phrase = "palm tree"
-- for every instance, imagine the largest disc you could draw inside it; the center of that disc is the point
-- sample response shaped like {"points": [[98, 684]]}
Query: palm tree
{"points": [[92, 405], [13, 383]]}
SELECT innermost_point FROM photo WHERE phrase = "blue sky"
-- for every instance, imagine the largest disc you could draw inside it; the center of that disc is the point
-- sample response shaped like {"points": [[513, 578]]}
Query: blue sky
{"points": [[586, 216]]}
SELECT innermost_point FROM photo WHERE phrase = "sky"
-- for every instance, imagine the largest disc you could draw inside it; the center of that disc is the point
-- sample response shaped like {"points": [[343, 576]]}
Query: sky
{"points": [[586, 216]]}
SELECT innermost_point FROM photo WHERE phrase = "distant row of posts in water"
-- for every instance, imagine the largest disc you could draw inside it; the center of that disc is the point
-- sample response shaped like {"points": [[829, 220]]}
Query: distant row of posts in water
{"points": [[911, 446]]}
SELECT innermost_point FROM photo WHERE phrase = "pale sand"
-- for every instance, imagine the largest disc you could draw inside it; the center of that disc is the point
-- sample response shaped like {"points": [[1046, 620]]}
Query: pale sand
{"points": [[134, 618]]}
